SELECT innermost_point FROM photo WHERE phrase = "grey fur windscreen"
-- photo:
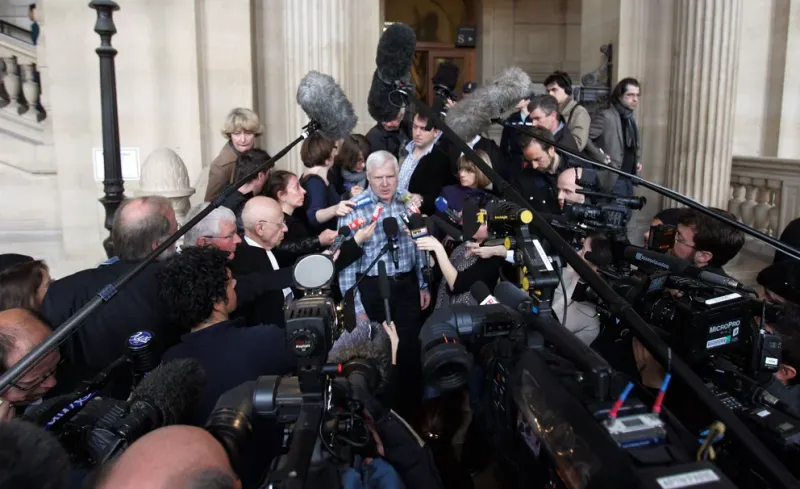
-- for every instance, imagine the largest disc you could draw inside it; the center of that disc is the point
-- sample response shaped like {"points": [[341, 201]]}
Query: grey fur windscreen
{"points": [[324, 101], [393, 60], [472, 115], [378, 350], [174, 388]]}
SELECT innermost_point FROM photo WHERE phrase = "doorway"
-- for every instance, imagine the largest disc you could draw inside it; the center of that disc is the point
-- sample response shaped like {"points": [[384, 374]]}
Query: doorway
{"points": [[427, 59]]}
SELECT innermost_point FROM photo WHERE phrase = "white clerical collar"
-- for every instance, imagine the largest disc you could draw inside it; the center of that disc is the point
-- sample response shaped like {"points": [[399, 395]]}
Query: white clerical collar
{"points": [[252, 242]]}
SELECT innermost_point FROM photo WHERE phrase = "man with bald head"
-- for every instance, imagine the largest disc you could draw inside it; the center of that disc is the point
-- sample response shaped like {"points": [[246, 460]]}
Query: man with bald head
{"points": [[568, 187], [140, 226], [174, 457], [20, 332], [264, 228]]}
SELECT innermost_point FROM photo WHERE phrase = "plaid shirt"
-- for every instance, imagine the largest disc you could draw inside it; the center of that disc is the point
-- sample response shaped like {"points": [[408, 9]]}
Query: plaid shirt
{"points": [[407, 251]]}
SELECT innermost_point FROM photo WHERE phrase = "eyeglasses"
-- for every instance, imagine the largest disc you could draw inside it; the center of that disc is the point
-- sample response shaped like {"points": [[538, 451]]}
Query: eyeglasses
{"points": [[279, 224], [224, 238], [680, 239], [29, 386]]}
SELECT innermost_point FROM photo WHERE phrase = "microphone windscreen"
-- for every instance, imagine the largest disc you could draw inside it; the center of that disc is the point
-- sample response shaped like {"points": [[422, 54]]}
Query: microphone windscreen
{"points": [[396, 49], [441, 204], [31, 457], [510, 295], [479, 291], [174, 388], [416, 221], [447, 75], [390, 227], [472, 115], [324, 101], [377, 350], [344, 231], [383, 281]]}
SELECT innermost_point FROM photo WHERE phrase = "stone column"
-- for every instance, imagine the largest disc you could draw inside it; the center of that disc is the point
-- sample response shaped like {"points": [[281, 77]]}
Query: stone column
{"points": [[335, 37], [703, 87], [788, 144]]}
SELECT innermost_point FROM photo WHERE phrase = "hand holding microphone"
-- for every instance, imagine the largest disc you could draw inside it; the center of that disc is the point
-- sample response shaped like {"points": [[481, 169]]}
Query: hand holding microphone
{"points": [[328, 237], [365, 233], [344, 208], [391, 332]]}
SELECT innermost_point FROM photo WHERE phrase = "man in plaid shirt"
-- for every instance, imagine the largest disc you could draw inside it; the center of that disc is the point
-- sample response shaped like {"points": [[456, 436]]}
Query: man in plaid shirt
{"points": [[409, 292]]}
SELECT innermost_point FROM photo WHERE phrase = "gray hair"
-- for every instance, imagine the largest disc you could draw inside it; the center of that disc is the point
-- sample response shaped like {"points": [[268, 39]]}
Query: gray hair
{"points": [[209, 226], [546, 102], [134, 233], [380, 158]]}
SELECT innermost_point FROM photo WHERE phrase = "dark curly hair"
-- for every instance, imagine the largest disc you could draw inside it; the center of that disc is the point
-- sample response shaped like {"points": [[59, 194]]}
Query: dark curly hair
{"points": [[191, 282]]}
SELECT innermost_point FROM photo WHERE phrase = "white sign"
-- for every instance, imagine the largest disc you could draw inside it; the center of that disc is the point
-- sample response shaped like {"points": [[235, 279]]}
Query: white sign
{"points": [[130, 164]]}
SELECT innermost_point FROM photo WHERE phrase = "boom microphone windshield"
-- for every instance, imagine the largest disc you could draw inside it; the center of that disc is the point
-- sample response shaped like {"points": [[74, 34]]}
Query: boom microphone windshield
{"points": [[472, 115], [324, 101], [169, 393], [395, 53]]}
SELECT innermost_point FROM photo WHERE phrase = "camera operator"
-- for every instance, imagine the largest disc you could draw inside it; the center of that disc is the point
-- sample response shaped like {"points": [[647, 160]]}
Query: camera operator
{"points": [[582, 317], [541, 167], [665, 217], [781, 282], [173, 456], [706, 242], [199, 290]]}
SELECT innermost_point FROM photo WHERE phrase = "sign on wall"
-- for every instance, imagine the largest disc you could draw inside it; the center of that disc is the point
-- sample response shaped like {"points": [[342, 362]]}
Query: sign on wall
{"points": [[466, 36], [130, 164]]}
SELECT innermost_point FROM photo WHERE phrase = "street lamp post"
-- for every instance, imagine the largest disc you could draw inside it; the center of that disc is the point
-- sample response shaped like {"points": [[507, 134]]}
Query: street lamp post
{"points": [[113, 186]]}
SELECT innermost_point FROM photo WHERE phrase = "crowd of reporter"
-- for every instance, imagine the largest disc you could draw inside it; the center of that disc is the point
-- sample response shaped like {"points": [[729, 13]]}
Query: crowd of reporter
{"points": [[220, 298]]}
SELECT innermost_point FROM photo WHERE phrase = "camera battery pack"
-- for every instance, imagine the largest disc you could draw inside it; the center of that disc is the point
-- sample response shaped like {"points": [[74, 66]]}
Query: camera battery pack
{"points": [[636, 430], [698, 475]]}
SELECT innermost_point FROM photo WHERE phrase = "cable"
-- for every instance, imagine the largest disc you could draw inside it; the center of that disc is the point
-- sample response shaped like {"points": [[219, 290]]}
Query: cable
{"points": [[619, 402], [716, 430], [563, 291]]}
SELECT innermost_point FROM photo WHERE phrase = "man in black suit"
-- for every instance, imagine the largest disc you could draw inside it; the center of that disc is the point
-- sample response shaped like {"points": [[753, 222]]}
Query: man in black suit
{"points": [[544, 113], [264, 227], [426, 170]]}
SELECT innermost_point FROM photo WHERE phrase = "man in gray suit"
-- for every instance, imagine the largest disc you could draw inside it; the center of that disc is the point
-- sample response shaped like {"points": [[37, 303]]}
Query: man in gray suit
{"points": [[614, 131]]}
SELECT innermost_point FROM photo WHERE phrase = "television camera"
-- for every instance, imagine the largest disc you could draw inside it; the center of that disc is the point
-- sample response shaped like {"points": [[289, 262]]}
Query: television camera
{"points": [[321, 405], [556, 413]]}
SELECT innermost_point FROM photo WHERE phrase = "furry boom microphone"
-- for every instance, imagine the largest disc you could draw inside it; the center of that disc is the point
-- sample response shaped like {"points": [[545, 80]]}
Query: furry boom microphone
{"points": [[374, 353], [395, 54], [324, 101], [472, 116]]}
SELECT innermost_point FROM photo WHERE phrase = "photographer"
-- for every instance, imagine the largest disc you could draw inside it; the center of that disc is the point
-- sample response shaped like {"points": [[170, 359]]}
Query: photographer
{"points": [[706, 242], [541, 167], [582, 317]]}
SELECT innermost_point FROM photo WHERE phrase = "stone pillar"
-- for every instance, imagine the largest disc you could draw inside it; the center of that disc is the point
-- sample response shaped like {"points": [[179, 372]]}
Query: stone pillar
{"points": [[788, 144], [335, 37], [703, 87]]}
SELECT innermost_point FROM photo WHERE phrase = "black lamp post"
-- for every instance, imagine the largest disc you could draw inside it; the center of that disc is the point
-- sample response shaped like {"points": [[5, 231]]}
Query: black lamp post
{"points": [[113, 186]]}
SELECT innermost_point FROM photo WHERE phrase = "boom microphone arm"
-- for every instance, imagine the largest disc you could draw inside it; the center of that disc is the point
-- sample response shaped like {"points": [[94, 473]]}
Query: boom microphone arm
{"points": [[620, 308], [71, 325], [665, 192]]}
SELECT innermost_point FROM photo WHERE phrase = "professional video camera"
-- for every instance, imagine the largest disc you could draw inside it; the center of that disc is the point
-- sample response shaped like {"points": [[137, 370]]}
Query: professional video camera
{"points": [[323, 413], [557, 414]]}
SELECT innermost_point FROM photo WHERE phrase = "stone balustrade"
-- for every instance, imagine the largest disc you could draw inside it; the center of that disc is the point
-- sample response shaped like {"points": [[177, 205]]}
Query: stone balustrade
{"points": [[20, 88], [765, 194]]}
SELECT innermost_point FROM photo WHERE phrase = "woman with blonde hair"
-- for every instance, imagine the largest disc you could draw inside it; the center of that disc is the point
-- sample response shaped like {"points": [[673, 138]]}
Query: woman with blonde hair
{"points": [[241, 129]]}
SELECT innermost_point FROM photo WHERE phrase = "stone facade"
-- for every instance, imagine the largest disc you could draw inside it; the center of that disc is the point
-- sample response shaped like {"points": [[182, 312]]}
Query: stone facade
{"points": [[182, 65]]}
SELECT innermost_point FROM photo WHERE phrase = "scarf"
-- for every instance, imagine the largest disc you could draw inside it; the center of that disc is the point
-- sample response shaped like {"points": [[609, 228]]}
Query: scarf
{"points": [[630, 132], [354, 178]]}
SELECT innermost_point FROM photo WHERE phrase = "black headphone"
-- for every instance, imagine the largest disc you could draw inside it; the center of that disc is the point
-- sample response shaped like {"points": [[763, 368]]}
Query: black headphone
{"points": [[564, 81]]}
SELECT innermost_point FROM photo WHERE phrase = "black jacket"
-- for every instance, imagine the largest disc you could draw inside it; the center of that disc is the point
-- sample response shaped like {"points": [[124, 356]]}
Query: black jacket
{"points": [[433, 173], [391, 141], [510, 146], [102, 337], [235, 202], [268, 309]]}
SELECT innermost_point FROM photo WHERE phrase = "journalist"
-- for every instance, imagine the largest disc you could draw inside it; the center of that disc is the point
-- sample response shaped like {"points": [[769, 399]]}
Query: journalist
{"points": [[781, 282], [140, 226], [409, 292], [559, 85], [706, 242], [665, 217], [199, 290], [23, 282], [241, 128], [20, 332], [246, 164], [544, 113], [542, 165], [510, 143]]}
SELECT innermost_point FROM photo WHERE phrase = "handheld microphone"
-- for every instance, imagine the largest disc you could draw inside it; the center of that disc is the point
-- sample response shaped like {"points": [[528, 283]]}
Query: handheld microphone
{"points": [[393, 60], [472, 115], [632, 202], [344, 232], [436, 222], [418, 229], [391, 230], [142, 353], [408, 202], [383, 287], [324, 101], [678, 266], [480, 292], [362, 201], [444, 207]]}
